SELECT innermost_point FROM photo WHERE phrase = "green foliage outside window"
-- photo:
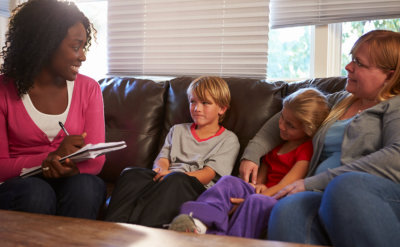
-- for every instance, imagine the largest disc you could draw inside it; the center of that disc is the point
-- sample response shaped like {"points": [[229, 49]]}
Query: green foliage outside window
{"points": [[289, 48], [289, 53]]}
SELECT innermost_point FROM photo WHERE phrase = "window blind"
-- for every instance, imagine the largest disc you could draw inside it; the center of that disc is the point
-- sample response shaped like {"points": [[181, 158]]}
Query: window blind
{"points": [[4, 8], [285, 13], [188, 37]]}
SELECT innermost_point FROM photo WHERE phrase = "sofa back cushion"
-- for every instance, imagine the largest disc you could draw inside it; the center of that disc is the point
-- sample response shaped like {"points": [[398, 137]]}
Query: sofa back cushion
{"points": [[326, 85], [141, 112], [252, 103], [134, 112]]}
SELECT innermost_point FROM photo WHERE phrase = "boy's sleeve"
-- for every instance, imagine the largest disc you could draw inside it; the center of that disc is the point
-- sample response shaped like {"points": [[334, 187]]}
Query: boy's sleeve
{"points": [[224, 160], [165, 151]]}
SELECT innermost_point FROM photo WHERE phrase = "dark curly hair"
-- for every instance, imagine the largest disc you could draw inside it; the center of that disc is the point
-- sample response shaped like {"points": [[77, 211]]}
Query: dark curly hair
{"points": [[36, 29]]}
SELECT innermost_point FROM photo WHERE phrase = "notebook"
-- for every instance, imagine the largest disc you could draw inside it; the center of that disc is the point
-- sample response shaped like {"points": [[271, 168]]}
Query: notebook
{"points": [[89, 151]]}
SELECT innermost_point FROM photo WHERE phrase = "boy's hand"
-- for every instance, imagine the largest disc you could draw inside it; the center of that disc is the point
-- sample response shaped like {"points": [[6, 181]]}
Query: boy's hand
{"points": [[160, 174]]}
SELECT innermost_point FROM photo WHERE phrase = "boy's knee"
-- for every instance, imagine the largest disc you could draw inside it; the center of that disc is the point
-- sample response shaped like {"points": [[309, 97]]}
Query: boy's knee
{"points": [[135, 174], [176, 178], [134, 171]]}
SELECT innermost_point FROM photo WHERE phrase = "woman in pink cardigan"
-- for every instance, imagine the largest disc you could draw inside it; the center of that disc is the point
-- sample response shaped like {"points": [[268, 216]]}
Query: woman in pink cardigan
{"points": [[40, 87]]}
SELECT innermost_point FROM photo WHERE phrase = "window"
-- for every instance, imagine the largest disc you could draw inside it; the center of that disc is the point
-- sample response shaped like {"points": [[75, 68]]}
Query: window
{"points": [[96, 10], [96, 58], [302, 42], [323, 18], [290, 50], [289, 53], [353, 30]]}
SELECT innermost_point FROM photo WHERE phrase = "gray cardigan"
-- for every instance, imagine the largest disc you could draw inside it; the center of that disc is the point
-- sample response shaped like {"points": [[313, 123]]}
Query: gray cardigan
{"points": [[371, 143]]}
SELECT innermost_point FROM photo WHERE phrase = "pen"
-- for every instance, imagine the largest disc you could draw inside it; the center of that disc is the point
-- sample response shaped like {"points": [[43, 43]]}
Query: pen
{"points": [[63, 128]]}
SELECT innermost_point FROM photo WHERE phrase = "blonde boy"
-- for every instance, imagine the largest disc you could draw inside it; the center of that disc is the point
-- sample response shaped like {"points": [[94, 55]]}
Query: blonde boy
{"points": [[194, 156]]}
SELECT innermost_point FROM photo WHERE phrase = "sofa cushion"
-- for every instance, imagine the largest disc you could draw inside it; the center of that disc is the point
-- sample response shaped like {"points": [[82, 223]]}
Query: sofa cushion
{"points": [[141, 112], [252, 103], [326, 85], [134, 112]]}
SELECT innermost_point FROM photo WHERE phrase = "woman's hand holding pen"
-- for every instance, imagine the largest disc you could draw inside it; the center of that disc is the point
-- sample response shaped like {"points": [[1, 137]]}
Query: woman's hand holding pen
{"points": [[71, 144], [51, 166]]}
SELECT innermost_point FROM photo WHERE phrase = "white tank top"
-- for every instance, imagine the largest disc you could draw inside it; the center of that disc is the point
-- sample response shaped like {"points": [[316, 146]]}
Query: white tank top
{"points": [[46, 122]]}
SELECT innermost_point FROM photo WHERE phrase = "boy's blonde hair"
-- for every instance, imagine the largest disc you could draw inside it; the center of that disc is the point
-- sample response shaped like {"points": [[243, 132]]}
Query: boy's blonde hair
{"points": [[384, 53], [215, 86], [309, 106]]}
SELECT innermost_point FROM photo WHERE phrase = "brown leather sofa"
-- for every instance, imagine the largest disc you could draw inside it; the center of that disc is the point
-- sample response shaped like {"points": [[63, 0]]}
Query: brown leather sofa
{"points": [[141, 111]]}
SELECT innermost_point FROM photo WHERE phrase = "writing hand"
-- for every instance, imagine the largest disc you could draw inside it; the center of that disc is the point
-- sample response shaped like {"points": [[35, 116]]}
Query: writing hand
{"points": [[248, 168], [295, 187], [70, 144]]}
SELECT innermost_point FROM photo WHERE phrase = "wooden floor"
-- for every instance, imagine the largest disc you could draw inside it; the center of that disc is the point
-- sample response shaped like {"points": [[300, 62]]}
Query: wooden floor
{"points": [[25, 229]]}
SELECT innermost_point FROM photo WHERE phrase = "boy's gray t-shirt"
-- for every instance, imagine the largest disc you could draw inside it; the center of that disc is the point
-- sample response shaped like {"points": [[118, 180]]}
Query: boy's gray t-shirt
{"points": [[187, 153]]}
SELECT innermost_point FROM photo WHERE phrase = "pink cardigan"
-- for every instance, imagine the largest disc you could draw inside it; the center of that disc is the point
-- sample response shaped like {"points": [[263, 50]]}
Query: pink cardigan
{"points": [[24, 145]]}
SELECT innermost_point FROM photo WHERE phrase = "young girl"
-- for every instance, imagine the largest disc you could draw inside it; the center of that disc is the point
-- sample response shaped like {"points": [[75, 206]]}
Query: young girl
{"points": [[234, 207], [194, 156]]}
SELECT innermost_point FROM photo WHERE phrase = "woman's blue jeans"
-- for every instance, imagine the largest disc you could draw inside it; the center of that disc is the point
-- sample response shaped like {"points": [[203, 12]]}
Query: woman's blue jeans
{"points": [[76, 196], [356, 209]]}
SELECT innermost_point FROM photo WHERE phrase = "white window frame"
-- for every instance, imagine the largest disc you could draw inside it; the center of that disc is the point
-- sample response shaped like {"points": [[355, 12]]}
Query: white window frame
{"points": [[327, 49]]}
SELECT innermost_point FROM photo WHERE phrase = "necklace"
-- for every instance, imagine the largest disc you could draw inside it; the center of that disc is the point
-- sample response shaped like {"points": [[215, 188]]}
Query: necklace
{"points": [[362, 107]]}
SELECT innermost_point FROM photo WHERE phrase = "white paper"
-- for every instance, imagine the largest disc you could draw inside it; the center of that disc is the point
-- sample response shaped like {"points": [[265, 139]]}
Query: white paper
{"points": [[89, 151]]}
